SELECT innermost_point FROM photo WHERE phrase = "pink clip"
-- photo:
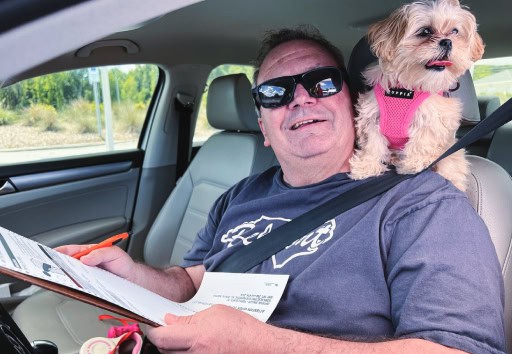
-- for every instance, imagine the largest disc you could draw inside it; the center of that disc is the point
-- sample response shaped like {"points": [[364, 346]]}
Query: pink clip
{"points": [[116, 331]]}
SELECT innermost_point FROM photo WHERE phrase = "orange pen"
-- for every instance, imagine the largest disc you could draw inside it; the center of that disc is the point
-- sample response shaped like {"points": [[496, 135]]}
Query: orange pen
{"points": [[106, 243]]}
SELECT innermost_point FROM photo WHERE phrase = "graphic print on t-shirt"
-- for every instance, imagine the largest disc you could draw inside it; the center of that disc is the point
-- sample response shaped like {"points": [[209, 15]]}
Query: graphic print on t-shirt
{"points": [[305, 245], [249, 231]]}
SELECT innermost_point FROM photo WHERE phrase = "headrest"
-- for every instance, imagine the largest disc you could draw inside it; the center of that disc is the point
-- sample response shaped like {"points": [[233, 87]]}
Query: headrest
{"points": [[487, 105], [362, 56], [230, 104]]}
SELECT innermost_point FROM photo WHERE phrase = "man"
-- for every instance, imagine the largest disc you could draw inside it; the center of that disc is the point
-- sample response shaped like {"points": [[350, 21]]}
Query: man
{"points": [[412, 271]]}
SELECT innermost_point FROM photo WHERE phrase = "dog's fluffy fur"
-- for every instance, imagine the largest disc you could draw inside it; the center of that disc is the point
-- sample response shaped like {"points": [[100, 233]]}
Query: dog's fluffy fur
{"points": [[406, 43]]}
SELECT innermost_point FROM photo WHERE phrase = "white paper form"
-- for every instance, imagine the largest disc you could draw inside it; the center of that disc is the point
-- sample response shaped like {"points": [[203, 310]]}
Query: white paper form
{"points": [[255, 294], [251, 293]]}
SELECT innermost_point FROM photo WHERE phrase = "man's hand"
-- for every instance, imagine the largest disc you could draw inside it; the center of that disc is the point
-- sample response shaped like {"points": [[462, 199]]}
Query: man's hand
{"points": [[175, 283], [113, 259], [222, 329], [218, 329]]}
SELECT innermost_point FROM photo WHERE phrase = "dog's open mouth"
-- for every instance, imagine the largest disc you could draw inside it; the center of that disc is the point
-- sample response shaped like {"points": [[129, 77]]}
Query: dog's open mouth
{"points": [[438, 65]]}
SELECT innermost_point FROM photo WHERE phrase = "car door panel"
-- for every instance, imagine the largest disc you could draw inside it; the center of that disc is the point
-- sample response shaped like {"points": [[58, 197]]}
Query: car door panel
{"points": [[84, 232], [72, 205], [38, 180]]}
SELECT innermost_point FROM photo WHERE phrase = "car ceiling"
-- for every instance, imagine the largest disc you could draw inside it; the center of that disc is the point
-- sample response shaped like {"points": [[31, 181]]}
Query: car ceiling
{"points": [[229, 31]]}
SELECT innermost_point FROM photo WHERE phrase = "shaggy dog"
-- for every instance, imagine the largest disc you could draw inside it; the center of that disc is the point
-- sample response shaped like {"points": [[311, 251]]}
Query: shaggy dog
{"points": [[407, 119]]}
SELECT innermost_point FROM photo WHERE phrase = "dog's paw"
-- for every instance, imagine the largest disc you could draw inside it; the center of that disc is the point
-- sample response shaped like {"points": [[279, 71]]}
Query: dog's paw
{"points": [[360, 169], [462, 185], [407, 170], [407, 167]]}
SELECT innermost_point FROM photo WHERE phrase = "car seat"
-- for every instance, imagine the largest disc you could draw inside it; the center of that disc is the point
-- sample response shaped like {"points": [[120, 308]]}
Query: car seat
{"points": [[226, 157], [500, 149], [487, 105], [490, 186]]}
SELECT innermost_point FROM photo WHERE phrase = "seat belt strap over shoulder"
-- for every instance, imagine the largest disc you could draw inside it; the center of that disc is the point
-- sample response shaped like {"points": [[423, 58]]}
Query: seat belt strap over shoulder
{"points": [[263, 248], [184, 105]]}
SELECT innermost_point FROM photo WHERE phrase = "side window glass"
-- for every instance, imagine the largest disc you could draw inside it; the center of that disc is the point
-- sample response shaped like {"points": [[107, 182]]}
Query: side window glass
{"points": [[203, 129], [493, 78], [78, 112]]}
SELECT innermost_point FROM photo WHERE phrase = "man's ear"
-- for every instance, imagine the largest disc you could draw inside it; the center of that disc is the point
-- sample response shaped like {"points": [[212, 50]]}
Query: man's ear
{"points": [[266, 142]]}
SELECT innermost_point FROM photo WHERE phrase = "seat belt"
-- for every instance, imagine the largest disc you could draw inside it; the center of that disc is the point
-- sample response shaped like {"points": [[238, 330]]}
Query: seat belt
{"points": [[263, 248], [184, 105]]}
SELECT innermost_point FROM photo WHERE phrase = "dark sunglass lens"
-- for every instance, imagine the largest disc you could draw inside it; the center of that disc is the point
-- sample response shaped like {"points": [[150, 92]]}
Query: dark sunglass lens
{"points": [[323, 82], [275, 93], [324, 88]]}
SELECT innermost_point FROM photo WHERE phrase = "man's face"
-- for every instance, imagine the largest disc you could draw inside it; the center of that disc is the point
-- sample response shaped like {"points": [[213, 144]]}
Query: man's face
{"points": [[328, 126]]}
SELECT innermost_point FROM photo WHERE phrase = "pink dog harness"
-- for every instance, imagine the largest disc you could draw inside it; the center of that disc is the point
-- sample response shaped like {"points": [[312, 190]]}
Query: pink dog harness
{"points": [[397, 107]]}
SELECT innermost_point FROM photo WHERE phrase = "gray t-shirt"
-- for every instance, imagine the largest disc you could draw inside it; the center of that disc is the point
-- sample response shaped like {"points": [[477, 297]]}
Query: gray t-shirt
{"points": [[414, 262]]}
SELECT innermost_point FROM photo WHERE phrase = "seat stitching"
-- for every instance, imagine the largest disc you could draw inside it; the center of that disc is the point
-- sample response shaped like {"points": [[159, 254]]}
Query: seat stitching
{"points": [[66, 323], [506, 263]]}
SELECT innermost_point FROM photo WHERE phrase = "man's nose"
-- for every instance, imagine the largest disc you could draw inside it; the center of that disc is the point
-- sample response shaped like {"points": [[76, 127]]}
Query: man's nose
{"points": [[301, 97]]}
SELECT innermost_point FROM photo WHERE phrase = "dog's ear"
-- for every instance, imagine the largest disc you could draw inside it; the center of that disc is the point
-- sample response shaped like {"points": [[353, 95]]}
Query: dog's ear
{"points": [[385, 35], [477, 47], [451, 2], [475, 42]]}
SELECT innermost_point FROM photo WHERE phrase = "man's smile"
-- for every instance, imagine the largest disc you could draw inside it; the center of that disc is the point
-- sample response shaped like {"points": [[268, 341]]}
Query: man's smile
{"points": [[305, 123]]}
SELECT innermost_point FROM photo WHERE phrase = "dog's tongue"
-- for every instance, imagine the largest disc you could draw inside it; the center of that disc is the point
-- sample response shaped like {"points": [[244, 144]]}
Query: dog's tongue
{"points": [[439, 63]]}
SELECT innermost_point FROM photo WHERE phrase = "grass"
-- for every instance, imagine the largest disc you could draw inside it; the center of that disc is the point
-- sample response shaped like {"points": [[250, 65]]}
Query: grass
{"points": [[41, 125], [7, 117], [43, 116], [129, 117], [79, 117]]}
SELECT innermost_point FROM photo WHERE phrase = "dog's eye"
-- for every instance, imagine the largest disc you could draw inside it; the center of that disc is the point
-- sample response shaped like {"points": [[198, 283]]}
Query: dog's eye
{"points": [[454, 31], [425, 32]]}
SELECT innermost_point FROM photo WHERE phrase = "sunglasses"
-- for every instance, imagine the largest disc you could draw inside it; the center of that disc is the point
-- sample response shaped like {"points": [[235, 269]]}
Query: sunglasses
{"points": [[319, 83]]}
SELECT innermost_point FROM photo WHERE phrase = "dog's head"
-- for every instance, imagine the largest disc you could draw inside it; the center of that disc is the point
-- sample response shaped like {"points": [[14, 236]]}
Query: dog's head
{"points": [[427, 44]]}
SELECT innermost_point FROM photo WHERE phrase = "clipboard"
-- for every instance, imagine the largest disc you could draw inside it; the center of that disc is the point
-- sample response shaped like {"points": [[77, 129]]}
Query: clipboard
{"points": [[77, 295]]}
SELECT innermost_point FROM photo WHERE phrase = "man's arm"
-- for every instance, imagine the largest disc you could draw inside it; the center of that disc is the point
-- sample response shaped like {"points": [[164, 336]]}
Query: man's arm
{"points": [[175, 283], [222, 329]]}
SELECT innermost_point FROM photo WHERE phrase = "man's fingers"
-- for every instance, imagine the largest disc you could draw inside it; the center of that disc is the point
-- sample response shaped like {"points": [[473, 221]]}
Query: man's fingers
{"points": [[71, 249], [173, 319], [173, 337], [96, 257], [101, 255]]}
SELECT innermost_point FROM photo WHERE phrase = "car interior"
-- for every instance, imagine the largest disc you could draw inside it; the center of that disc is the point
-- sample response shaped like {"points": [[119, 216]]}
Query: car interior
{"points": [[203, 51]]}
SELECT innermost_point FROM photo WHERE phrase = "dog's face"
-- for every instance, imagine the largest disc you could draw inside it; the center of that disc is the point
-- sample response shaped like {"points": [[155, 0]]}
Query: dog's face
{"points": [[427, 45]]}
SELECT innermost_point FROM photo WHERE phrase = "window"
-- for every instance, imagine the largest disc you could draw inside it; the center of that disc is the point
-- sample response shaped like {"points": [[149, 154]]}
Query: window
{"points": [[493, 78], [203, 129], [75, 112]]}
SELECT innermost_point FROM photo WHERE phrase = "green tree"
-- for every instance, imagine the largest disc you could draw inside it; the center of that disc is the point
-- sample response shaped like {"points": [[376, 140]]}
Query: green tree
{"points": [[140, 83]]}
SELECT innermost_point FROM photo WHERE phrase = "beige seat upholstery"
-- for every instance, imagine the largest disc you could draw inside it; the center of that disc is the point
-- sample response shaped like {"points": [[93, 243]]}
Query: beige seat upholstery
{"points": [[500, 150], [490, 185], [490, 191], [225, 158]]}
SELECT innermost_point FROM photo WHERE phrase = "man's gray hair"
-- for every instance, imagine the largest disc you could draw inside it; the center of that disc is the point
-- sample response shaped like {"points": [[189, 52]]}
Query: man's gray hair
{"points": [[303, 32]]}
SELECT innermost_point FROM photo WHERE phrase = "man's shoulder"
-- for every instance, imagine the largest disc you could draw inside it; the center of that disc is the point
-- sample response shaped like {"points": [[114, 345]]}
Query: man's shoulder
{"points": [[264, 176], [425, 189], [430, 182]]}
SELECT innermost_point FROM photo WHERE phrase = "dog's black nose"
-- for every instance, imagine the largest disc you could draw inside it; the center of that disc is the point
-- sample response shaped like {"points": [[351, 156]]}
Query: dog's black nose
{"points": [[445, 44]]}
